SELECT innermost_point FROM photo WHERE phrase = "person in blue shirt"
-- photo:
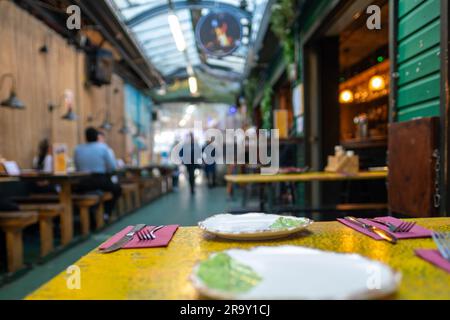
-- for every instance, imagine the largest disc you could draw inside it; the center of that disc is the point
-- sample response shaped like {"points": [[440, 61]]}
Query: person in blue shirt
{"points": [[96, 158]]}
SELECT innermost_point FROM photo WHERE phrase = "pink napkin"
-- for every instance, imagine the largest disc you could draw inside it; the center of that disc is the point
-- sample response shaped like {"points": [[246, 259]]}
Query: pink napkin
{"points": [[416, 231], [434, 257], [163, 238]]}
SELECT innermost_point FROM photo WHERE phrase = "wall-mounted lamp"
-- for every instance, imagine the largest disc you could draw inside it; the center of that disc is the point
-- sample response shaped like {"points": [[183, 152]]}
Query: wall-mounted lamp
{"points": [[125, 129], [45, 47], [106, 125], [67, 102], [12, 101], [346, 96], [377, 83]]}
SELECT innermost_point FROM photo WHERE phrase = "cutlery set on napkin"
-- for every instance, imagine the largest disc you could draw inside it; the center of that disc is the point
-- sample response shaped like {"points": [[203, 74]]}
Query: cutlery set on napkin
{"points": [[392, 229], [140, 236]]}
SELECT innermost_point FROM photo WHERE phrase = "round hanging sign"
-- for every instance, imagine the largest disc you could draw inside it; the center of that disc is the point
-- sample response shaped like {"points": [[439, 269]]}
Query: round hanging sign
{"points": [[219, 33]]}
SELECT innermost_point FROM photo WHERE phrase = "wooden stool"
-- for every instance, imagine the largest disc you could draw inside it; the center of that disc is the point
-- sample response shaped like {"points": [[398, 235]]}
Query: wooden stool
{"points": [[13, 223], [130, 191], [84, 203], [47, 212]]}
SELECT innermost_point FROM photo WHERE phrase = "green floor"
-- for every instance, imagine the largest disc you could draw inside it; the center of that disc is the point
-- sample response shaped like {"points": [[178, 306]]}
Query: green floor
{"points": [[176, 208]]}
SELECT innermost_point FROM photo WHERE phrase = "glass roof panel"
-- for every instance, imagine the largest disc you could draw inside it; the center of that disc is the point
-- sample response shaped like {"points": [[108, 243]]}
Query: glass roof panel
{"points": [[153, 33]]}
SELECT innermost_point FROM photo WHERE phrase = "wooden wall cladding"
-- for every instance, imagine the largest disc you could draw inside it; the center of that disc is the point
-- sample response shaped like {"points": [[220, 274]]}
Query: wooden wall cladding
{"points": [[41, 79]]}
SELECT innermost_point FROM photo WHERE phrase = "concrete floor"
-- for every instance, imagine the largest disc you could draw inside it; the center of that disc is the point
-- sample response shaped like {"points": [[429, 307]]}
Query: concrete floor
{"points": [[176, 208]]}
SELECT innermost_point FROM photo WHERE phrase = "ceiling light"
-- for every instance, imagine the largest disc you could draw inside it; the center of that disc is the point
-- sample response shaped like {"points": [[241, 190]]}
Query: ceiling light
{"points": [[377, 83], [193, 86], [191, 109], [182, 123], [190, 70], [177, 33], [346, 96]]}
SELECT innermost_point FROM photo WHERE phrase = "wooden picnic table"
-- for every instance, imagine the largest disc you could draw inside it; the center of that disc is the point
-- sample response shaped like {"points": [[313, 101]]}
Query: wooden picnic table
{"points": [[65, 196], [163, 273]]}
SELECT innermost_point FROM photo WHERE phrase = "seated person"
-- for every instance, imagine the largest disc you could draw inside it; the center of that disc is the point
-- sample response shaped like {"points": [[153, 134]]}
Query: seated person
{"points": [[43, 162], [95, 157]]}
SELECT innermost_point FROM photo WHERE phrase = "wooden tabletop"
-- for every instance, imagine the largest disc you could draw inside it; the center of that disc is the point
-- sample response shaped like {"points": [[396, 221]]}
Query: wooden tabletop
{"points": [[305, 177], [5, 179], [163, 273], [52, 176]]}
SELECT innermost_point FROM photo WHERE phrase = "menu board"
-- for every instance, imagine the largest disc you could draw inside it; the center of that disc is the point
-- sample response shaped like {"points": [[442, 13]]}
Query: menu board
{"points": [[60, 156]]}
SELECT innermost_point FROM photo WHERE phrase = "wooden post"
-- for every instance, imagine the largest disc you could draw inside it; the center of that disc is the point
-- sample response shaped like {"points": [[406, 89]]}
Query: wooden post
{"points": [[14, 249], [46, 232], [65, 198], [85, 220]]}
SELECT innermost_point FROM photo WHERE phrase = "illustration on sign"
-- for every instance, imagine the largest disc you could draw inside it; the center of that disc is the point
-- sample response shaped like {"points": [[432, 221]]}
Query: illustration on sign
{"points": [[219, 33]]}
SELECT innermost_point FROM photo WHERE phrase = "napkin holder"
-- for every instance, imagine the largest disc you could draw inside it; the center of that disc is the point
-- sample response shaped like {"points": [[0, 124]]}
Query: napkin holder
{"points": [[341, 162]]}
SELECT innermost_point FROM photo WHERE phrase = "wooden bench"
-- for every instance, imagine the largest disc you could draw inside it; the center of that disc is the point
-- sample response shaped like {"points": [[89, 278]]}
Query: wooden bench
{"points": [[130, 191], [13, 224], [47, 212]]}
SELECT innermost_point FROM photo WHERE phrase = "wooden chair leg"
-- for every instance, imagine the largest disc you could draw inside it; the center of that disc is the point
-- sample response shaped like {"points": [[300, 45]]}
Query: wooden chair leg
{"points": [[46, 232], [121, 205], [14, 249], [85, 221], [100, 216], [137, 197], [129, 201]]}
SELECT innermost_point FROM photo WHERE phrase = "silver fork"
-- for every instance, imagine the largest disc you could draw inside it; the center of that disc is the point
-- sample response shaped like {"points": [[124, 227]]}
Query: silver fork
{"points": [[401, 228], [148, 235], [405, 227], [442, 241]]}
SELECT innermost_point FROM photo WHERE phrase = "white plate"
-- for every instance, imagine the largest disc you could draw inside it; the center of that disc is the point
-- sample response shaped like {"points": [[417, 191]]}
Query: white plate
{"points": [[251, 226], [297, 273]]}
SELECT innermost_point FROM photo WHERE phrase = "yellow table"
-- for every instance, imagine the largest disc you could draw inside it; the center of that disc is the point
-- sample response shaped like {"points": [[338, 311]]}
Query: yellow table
{"points": [[304, 177], [163, 273]]}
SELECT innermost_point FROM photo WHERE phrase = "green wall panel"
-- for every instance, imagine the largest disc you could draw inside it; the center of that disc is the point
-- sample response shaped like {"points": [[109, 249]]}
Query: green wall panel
{"points": [[417, 19], [421, 66], [405, 6], [417, 43], [428, 109], [418, 59], [419, 91]]}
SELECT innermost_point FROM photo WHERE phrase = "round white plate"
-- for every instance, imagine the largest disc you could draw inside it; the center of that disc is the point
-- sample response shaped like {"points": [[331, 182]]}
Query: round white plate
{"points": [[251, 226], [298, 273]]}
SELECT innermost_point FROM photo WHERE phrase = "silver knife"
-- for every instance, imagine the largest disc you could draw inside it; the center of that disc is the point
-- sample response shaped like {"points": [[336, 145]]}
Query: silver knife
{"points": [[383, 234], [124, 240]]}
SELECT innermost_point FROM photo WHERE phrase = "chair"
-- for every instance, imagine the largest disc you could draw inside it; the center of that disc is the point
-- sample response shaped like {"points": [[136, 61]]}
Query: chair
{"points": [[46, 214], [13, 224]]}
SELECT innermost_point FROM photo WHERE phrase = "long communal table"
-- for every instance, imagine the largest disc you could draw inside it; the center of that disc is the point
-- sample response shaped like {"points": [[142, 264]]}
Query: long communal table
{"points": [[65, 196], [307, 177], [163, 273]]}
